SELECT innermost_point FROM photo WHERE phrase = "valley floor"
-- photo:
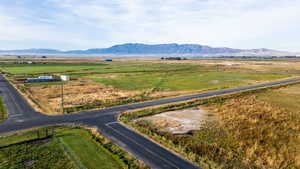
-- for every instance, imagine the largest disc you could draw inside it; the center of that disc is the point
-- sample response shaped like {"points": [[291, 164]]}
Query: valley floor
{"points": [[98, 84]]}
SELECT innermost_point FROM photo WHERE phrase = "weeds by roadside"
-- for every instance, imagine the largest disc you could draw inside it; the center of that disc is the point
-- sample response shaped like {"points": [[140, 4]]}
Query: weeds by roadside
{"points": [[3, 111], [250, 134]]}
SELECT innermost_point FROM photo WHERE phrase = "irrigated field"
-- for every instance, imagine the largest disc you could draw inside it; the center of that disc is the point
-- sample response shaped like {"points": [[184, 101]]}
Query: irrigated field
{"points": [[102, 84], [48, 68], [259, 130], [69, 148]]}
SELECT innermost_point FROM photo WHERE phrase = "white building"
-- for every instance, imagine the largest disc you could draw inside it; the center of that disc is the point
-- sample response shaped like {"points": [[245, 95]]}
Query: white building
{"points": [[64, 77], [45, 77]]}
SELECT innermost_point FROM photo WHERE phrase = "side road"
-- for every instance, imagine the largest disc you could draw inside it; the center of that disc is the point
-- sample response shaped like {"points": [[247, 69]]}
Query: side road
{"points": [[22, 116]]}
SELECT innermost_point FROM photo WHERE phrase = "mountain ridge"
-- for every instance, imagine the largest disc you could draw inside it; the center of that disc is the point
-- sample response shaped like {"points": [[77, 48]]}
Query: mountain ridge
{"points": [[140, 48]]}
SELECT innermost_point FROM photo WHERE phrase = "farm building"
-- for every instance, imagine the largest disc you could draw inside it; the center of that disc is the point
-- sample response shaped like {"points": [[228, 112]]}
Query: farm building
{"points": [[26, 62], [64, 77], [42, 79], [45, 77]]}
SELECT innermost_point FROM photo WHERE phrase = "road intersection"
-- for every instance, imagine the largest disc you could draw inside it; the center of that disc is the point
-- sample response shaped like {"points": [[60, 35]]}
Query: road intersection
{"points": [[23, 116]]}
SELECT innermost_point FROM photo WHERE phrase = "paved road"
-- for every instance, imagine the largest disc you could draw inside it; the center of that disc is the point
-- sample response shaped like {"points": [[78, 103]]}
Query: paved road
{"points": [[23, 116], [18, 108]]}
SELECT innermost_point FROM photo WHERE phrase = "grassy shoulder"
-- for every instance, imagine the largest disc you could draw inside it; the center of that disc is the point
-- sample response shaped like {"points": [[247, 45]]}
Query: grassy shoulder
{"points": [[3, 111], [253, 132], [71, 147]]}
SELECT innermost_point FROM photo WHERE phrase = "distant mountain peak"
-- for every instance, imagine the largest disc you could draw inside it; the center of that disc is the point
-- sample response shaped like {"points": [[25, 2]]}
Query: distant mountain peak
{"points": [[141, 48]]}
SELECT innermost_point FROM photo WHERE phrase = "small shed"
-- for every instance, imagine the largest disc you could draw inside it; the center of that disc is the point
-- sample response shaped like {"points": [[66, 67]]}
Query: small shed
{"points": [[64, 77]]}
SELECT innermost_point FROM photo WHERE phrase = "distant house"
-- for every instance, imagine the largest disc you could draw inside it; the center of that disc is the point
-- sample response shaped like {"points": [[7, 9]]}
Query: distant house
{"points": [[108, 60]]}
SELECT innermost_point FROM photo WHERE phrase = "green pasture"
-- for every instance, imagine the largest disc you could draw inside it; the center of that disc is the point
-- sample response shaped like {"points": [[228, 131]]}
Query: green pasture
{"points": [[157, 76], [70, 148], [184, 80], [85, 69], [47, 68]]}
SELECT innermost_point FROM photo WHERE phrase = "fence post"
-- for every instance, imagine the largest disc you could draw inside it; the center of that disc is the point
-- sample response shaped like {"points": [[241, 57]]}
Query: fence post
{"points": [[46, 132]]}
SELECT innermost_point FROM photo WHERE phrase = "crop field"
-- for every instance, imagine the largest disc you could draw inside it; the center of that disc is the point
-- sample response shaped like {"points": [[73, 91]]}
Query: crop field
{"points": [[127, 81], [70, 148], [259, 130], [49, 68]]}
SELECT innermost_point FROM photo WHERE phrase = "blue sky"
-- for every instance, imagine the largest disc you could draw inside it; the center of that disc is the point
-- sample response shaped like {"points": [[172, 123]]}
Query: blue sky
{"points": [[82, 24]]}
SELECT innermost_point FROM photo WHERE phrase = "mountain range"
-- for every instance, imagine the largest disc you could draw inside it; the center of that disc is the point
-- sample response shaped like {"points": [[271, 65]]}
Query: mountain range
{"points": [[139, 49]]}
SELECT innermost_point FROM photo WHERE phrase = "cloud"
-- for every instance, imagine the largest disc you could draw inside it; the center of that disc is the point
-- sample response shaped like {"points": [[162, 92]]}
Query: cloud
{"points": [[71, 24]]}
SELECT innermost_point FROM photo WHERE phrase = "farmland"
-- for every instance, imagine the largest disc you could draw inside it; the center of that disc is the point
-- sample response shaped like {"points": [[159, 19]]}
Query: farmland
{"points": [[262, 133], [247, 129], [127, 81], [69, 148], [48, 68]]}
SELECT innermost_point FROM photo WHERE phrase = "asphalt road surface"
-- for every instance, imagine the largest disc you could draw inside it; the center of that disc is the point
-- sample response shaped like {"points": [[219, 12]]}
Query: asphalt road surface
{"points": [[23, 116]]}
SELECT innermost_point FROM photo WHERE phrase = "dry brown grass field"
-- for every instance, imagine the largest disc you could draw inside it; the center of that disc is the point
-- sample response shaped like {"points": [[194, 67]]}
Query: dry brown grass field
{"points": [[260, 130], [276, 65], [267, 135], [84, 92]]}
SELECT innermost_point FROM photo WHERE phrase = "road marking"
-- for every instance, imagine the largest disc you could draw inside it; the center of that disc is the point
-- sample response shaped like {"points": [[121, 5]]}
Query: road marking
{"points": [[151, 152], [15, 115], [114, 122], [13, 101]]}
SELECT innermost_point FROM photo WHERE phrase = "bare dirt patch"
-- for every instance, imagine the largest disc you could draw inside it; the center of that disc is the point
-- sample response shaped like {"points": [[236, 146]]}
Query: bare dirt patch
{"points": [[181, 121]]}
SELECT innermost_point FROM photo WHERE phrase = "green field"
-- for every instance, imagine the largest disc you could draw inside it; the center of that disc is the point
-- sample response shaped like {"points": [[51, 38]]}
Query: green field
{"points": [[84, 69], [152, 76], [48, 68], [185, 80], [71, 148], [3, 112]]}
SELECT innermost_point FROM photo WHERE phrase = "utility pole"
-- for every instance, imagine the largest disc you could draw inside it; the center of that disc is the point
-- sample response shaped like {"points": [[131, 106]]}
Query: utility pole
{"points": [[62, 97]]}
